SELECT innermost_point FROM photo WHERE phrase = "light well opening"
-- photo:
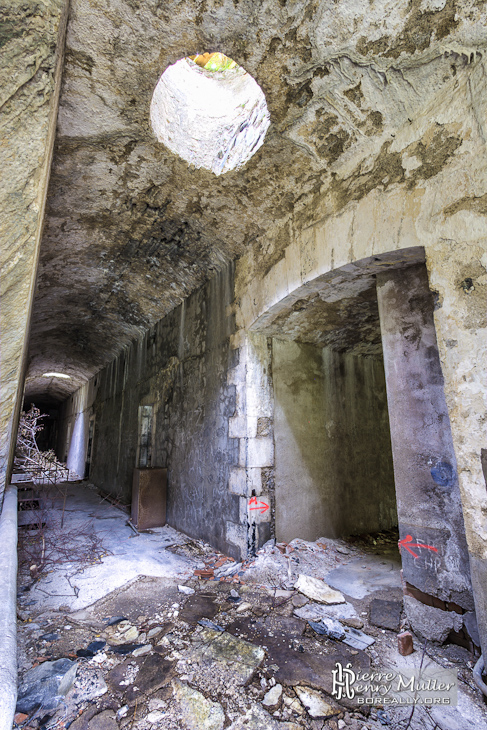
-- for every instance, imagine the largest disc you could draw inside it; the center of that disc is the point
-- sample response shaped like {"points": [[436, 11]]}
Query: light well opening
{"points": [[208, 110]]}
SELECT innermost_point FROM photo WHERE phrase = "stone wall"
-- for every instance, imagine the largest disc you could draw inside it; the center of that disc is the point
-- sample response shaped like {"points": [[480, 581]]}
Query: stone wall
{"points": [[32, 52], [180, 369], [334, 473]]}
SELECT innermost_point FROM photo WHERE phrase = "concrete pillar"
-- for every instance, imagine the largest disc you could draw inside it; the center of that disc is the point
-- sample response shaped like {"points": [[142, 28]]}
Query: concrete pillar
{"points": [[425, 471]]}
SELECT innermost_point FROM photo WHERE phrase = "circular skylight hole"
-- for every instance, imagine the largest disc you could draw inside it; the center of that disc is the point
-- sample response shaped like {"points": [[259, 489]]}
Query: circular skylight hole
{"points": [[209, 111]]}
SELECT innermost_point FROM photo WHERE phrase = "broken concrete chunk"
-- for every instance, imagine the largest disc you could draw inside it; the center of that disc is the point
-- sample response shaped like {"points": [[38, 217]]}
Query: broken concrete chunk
{"points": [[219, 650], [155, 716], [385, 614], [227, 570], [318, 590], [272, 699], [357, 639], [186, 590], [89, 685], [46, 685], [317, 611], [315, 704], [328, 627], [196, 710], [429, 622]]}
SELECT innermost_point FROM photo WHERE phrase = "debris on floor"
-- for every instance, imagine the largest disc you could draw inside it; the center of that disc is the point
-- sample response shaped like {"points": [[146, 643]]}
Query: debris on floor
{"points": [[170, 643]]}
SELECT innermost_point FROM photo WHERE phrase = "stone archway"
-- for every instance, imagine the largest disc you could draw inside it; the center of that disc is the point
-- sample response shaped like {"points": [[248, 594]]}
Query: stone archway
{"points": [[436, 571]]}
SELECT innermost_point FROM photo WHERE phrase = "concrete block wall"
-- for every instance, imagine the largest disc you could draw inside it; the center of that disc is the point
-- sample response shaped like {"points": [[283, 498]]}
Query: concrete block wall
{"points": [[252, 478]]}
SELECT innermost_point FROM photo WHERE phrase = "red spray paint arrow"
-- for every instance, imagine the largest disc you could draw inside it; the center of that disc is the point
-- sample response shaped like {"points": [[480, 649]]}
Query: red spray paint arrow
{"points": [[406, 543], [261, 506]]}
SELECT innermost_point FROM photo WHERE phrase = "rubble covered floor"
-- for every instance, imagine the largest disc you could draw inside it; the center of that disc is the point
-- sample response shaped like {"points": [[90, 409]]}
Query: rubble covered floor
{"points": [[166, 632]]}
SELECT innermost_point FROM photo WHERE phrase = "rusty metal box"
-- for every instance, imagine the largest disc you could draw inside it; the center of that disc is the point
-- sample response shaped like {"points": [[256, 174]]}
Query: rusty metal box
{"points": [[149, 489]]}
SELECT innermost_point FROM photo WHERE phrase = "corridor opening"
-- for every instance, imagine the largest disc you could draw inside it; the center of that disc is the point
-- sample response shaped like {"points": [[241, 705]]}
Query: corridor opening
{"points": [[362, 438]]}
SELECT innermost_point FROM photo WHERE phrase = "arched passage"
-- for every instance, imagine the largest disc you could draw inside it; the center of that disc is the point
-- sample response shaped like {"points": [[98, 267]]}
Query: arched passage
{"points": [[335, 347]]}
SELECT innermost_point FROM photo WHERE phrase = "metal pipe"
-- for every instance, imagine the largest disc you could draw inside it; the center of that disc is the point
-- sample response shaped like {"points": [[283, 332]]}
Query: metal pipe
{"points": [[8, 610], [478, 670]]}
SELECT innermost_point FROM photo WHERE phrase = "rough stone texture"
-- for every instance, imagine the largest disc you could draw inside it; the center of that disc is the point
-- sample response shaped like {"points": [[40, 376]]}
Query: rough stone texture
{"points": [[332, 443], [338, 81], [272, 698], [219, 649], [255, 719], [196, 710], [376, 149], [46, 685], [429, 622], [32, 43], [315, 703], [180, 369]]}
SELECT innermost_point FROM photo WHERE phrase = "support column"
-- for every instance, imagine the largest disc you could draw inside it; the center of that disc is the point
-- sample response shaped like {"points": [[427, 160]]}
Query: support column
{"points": [[425, 471]]}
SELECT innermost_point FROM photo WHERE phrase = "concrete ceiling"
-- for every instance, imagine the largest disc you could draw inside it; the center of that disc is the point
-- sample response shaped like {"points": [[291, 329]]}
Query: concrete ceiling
{"points": [[131, 230]]}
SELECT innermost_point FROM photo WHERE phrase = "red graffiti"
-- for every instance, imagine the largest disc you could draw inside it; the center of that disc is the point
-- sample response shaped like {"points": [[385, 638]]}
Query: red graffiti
{"points": [[262, 506], [406, 543]]}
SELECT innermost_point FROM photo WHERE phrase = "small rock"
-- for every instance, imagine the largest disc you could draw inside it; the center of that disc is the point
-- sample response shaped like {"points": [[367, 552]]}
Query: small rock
{"points": [[131, 634], [155, 716], [354, 623], [299, 600], [315, 703], [96, 646], [116, 620], [272, 698], [196, 710], [187, 590], [210, 624], [46, 685], [341, 724], [142, 650], [122, 712], [318, 590], [52, 636], [154, 632], [244, 607], [100, 658], [342, 550]]}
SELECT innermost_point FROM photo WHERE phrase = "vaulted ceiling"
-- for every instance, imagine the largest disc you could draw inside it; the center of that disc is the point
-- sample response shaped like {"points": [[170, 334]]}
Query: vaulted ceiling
{"points": [[131, 229]]}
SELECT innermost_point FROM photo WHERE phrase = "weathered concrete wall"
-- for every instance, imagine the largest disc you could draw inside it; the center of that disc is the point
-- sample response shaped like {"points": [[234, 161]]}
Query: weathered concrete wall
{"points": [[334, 472], [74, 425], [32, 43], [180, 368], [420, 196], [425, 470]]}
